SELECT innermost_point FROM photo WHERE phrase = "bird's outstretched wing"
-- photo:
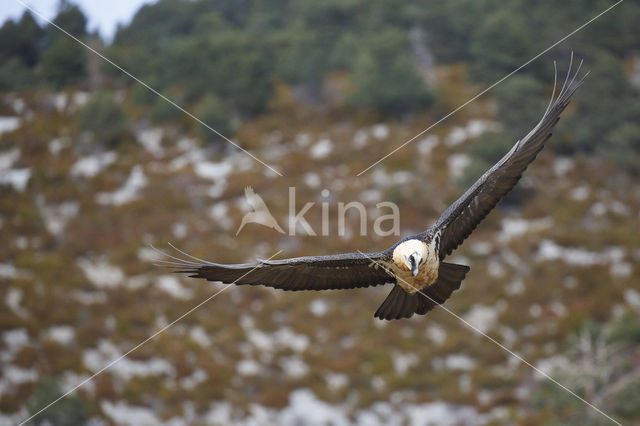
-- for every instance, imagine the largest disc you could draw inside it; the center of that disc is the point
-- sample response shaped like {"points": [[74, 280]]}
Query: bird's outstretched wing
{"points": [[462, 217], [341, 271]]}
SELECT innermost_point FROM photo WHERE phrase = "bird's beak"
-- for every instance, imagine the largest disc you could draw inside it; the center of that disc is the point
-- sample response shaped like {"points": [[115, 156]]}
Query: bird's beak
{"points": [[415, 260], [414, 270]]}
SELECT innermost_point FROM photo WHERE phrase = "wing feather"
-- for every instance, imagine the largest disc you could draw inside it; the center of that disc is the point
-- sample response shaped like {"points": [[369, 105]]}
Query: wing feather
{"points": [[342, 271], [462, 217]]}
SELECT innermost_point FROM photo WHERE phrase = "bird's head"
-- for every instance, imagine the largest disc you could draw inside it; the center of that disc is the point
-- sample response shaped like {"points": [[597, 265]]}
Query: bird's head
{"points": [[410, 254]]}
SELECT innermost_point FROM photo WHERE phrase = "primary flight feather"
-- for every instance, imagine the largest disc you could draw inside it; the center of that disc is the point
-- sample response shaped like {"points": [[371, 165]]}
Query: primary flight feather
{"points": [[415, 264]]}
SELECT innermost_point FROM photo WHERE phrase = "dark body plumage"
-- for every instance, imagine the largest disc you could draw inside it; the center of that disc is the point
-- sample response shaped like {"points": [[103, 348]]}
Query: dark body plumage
{"points": [[353, 270]]}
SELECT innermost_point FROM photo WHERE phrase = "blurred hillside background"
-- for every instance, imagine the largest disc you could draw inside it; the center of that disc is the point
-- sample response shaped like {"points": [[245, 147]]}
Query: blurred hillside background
{"points": [[94, 167]]}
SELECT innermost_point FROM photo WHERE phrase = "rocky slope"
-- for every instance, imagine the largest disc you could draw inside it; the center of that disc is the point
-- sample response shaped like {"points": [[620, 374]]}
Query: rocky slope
{"points": [[554, 277]]}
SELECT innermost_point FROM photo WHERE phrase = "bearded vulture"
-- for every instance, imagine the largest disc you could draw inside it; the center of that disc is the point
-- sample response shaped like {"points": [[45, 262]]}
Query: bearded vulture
{"points": [[414, 265]]}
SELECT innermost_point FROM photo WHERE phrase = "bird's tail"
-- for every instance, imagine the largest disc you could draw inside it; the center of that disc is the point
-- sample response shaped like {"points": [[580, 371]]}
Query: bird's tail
{"points": [[400, 304]]}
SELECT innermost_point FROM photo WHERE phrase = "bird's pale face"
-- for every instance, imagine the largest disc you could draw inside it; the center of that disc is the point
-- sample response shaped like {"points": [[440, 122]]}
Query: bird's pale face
{"points": [[415, 265], [410, 256]]}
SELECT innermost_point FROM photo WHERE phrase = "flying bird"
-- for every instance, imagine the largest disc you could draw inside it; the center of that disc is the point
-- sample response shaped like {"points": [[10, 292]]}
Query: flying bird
{"points": [[414, 265]]}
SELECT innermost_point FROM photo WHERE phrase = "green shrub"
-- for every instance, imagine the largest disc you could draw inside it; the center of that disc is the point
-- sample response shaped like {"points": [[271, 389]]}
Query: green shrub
{"points": [[14, 75], [628, 401], [626, 329], [104, 118], [71, 410], [64, 63], [213, 112], [384, 77]]}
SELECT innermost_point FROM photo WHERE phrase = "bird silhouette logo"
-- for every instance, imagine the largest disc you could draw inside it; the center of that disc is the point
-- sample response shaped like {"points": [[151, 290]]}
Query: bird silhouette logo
{"points": [[260, 214]]}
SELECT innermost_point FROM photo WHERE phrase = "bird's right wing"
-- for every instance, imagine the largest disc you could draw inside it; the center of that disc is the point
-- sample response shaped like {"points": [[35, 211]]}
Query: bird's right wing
{"points": [[462, 217], [342, 271]]}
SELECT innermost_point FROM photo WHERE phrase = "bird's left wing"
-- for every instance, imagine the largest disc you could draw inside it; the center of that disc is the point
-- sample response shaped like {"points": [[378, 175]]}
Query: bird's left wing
{"points": [[341, 271], [462, 217]]}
